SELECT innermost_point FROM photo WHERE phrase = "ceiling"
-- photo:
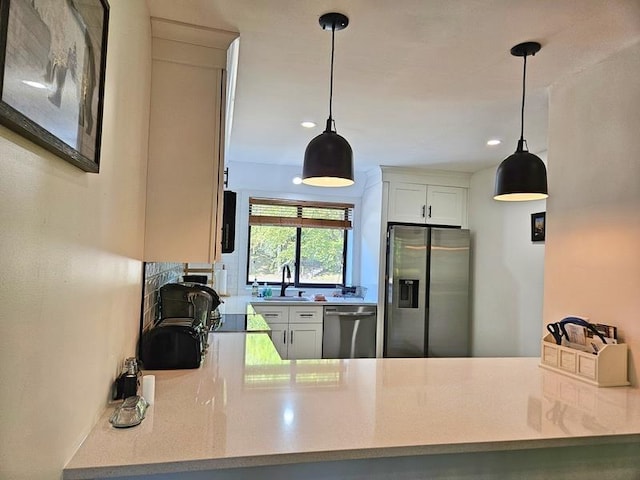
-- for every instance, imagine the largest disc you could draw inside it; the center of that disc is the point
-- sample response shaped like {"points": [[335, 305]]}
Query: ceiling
{"points": [[417, 82]]}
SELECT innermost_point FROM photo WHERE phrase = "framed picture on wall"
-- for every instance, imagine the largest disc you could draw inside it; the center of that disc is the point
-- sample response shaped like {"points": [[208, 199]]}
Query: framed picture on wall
{"points": [[538, 226], [52, 69]]}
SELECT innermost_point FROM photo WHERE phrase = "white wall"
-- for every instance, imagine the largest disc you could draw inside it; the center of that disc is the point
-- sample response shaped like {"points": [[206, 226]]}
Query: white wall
{"points": [[70, 267], [592, 262], [507, 272], [372, 248], [371, 228]]}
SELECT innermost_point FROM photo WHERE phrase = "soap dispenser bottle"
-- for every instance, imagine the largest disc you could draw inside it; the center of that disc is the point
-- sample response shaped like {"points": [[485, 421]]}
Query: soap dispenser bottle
{"points": [[129, 381], [254, 288]]}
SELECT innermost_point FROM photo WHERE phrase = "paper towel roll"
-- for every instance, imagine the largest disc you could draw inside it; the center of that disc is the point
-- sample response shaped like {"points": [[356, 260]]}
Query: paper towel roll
{"points": [[149, 388], [221, 282]]}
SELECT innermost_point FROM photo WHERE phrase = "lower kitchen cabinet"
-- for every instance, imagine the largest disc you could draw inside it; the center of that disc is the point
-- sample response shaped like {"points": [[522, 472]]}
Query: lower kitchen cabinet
{"points": [[279, 333], [296, 331], [273, 313], [305, 341]]}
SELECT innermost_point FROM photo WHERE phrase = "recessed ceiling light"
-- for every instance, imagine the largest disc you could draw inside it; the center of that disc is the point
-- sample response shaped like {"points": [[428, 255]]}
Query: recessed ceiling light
{"points": [[493, 142], [34, 84], [308, 124], [297, 180]]}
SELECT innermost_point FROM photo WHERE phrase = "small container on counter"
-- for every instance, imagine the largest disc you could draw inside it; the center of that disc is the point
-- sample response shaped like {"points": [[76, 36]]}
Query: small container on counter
{"points": [[128, 382], [149, 388]]}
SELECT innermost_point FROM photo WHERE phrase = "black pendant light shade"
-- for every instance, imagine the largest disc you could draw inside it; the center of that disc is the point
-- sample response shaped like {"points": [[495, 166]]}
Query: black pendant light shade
{"points": [[328, 159], [522, 176]]}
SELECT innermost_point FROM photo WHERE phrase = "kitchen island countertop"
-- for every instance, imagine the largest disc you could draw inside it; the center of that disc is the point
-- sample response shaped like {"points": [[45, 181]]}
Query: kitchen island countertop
{"points": [[245, 407]]}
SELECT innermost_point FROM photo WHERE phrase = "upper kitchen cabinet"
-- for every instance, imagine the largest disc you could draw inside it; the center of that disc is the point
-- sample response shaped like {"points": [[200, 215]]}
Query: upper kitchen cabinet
{"points": [[432, 204], [430, 197], [186, 143]]}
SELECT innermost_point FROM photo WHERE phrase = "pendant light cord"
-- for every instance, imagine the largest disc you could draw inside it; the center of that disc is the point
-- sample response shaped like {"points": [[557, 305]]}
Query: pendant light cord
{"points": [[524, 77], [330, 120]]}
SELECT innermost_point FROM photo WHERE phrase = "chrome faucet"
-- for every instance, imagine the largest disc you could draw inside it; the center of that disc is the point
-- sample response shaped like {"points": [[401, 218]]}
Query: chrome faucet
{"points": [[284, 285]]}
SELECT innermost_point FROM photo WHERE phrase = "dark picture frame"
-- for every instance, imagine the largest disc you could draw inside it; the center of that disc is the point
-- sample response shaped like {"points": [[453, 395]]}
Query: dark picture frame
{"points": [[52, 70], [538, 226]]}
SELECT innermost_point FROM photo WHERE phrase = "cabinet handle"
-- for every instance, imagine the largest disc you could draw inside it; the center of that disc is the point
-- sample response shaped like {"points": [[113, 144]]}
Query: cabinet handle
{"points": [[284, 337], [429, 211], [423, 210], [306, 315], [291, 337], [270, 315]]}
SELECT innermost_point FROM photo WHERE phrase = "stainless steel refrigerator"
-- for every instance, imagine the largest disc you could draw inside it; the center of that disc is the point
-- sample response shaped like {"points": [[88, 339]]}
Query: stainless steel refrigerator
{"points": [[427, 292]]}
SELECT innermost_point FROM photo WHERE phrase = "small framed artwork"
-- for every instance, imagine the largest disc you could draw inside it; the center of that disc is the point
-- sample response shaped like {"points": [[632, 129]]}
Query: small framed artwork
{"points": [[52, 70], [538, 226]]}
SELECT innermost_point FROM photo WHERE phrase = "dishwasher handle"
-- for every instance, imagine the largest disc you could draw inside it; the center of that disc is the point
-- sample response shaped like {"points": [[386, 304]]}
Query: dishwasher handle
{"points": [[349, 314]]}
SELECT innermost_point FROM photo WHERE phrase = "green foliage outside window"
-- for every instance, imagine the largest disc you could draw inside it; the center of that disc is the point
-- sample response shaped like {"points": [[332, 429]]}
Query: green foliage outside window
{"points": [[321, 254], [270, 249]]}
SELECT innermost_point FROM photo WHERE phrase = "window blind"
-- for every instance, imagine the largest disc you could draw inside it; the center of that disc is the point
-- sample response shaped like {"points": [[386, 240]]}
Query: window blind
{"points": [[299, 213]]}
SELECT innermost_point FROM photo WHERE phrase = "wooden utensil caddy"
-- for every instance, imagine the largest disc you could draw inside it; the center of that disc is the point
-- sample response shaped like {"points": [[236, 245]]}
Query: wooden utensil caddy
{"points": [[607, 368]]}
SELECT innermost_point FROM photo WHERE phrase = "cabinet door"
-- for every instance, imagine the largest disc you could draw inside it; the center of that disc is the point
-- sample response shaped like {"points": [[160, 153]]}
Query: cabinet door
{"points": [[445, 205], [277, 317], [280, 338], [407, 202], [184, 177], [305, 340]]}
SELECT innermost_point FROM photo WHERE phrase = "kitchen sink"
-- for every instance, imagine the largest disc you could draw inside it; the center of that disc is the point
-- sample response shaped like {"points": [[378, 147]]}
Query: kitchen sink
{"points": [[286, 299]]}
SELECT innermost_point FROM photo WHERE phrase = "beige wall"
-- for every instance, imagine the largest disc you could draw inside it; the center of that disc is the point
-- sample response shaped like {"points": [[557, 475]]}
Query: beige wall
{"points": [[70, 269], [592, 264]]}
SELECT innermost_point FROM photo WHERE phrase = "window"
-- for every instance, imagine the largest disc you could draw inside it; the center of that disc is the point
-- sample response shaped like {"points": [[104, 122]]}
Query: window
{"points": [[310, 237]]}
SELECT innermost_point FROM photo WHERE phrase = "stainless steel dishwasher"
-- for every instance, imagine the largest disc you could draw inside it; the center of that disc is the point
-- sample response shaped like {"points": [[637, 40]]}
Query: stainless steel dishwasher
{"points": [[349, 331]]}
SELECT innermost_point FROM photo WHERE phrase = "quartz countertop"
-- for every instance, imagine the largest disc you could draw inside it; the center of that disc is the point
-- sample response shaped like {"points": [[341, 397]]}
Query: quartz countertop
{"points": [[247, 407], [238, 304]]}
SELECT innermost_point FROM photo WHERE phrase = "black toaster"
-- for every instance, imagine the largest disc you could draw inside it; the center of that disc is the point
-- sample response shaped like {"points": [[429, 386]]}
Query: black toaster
{"points": [[171, 345]]}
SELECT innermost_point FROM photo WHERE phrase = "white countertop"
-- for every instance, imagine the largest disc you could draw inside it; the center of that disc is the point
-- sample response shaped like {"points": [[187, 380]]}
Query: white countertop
{"points": [[246, 407], [238, 304]]}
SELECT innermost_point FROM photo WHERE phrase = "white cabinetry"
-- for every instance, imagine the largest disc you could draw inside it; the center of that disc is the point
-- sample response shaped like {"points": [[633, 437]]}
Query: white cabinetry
{"points": [[278, 334], [429, 204], [272, 313], [296, 331], [186, 132], [305, 341]]}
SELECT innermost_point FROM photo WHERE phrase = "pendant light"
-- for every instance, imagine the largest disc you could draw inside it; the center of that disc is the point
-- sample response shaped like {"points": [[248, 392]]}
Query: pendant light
{"points": [[522, 176], [328, 159]]}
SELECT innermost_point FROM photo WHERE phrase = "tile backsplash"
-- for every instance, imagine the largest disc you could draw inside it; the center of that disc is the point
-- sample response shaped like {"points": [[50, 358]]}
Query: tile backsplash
{"points": [[157, 274]]}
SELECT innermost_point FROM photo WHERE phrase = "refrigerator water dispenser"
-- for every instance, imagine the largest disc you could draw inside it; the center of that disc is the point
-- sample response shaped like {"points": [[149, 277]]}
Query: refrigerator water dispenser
{"points": [[408, 297]]}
